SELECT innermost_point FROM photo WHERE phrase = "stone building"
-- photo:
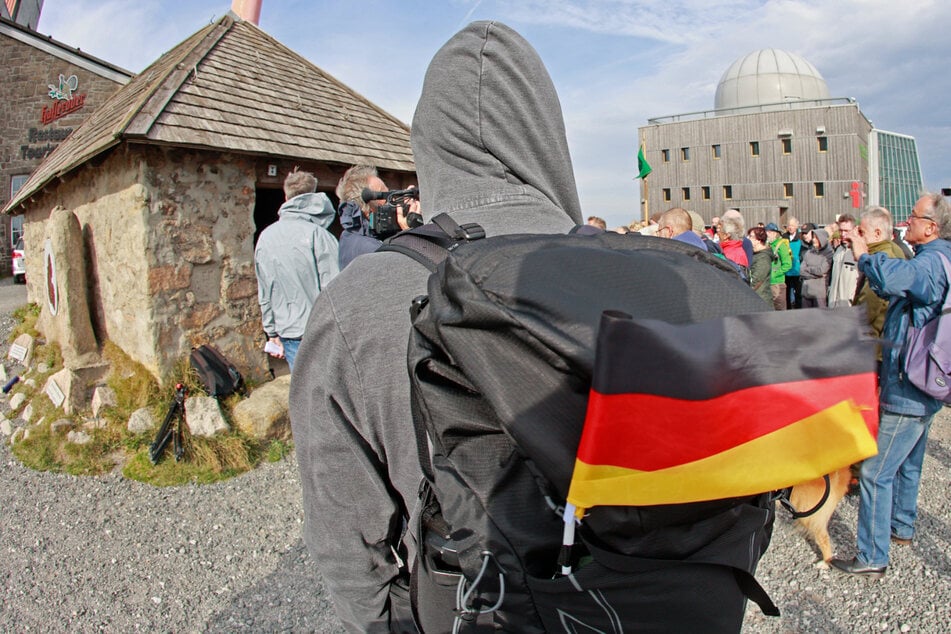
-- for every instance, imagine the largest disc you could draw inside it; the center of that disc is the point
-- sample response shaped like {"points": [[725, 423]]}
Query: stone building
{"points": [[175, 175], [48, 90]]}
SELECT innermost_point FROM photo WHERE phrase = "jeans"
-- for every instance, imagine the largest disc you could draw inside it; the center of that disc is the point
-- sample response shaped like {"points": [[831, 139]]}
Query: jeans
{"points": [[290, 350], [888, 485]]}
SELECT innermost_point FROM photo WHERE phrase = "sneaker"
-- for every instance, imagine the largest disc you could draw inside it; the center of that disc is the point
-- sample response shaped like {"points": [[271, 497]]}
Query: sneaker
{"points": [[853, 567], [901, 541]]}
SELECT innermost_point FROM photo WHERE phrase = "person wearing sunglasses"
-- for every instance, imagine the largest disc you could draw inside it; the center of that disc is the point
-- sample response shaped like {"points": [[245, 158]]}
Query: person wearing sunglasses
{"points": [[888, 481]]}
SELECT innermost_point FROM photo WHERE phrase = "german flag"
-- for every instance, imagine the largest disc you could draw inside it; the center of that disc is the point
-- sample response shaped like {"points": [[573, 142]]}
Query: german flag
{"points": [[724, 408]]}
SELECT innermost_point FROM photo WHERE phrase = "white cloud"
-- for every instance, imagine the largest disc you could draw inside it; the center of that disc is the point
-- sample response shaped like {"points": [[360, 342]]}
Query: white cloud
{"points": [[616, 63]]}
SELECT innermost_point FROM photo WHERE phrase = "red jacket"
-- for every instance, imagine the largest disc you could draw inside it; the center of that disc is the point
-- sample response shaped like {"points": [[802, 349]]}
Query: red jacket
{"points": [[733, 250]]}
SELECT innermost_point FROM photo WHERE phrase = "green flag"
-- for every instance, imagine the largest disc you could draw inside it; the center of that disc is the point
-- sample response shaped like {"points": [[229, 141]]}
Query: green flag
{"points": [[643, 167]]}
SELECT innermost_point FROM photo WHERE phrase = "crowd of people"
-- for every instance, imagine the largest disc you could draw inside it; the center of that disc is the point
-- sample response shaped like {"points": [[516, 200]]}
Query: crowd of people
{"points": [[502, 160]]}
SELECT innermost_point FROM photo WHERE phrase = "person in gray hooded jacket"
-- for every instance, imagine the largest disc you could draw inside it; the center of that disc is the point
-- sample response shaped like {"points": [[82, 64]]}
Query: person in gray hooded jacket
{"points": [[294, 260], [814, 270], [489, 145]]}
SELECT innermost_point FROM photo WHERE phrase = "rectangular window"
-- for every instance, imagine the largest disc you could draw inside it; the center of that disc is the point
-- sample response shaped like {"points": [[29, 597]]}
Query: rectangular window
{"points": [[705, 190], [727, 192], [820, 190], [16, 182], [787, 146], [716, 151], [666, 194], [665, 156], [754, 148], [787, 190], [685, 153], [823, 143], [686, 193]]}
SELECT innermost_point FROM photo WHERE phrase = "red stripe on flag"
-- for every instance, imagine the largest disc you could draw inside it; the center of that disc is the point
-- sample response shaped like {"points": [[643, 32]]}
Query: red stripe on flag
{"points": [[647, 432]]}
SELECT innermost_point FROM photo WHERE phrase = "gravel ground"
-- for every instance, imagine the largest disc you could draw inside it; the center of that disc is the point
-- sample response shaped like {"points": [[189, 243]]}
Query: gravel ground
{"points": [[84, 554]]}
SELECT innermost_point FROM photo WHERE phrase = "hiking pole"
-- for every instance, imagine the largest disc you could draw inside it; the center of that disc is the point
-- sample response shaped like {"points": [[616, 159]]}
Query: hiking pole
{"points": [[176, 411]]}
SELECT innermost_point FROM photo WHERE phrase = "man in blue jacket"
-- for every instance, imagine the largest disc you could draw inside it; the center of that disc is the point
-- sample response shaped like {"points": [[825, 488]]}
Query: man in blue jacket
{"points": [[888, 484]]}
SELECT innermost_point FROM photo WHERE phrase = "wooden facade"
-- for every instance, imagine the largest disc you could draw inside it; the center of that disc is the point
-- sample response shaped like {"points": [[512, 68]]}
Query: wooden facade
{"points": [[798, 160]]}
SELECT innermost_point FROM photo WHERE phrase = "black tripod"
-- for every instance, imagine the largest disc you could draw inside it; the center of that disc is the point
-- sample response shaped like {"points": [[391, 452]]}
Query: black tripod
{"points": [[176, 411]]}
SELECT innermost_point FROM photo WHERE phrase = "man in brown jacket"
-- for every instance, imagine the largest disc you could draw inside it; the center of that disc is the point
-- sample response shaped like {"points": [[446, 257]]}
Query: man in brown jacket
{"points": [[876, 227]]}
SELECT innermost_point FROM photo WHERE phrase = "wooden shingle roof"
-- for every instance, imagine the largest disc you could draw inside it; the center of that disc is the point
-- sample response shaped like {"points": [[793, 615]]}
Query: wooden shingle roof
{"points": [[232, 87]]}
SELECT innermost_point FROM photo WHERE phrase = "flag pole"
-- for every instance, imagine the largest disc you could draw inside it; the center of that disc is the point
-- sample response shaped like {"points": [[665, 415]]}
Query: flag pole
{"points": [[568, 538], [644, 195]]}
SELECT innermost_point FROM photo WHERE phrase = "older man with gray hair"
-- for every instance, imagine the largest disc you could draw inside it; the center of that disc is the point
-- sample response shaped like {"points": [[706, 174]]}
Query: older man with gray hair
{"points": [[916, 288], [875, 226]]}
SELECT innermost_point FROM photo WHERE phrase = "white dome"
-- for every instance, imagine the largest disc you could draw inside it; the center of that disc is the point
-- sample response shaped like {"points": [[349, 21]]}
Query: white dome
{"points": [[769, 76]]}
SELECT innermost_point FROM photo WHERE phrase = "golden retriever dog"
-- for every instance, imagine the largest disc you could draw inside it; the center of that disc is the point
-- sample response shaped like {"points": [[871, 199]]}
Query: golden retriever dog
{"points": [[806, 495]]}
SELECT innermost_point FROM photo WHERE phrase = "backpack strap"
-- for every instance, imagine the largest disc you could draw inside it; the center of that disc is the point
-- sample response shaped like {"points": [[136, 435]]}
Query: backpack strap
{"points": [[431, 243]]}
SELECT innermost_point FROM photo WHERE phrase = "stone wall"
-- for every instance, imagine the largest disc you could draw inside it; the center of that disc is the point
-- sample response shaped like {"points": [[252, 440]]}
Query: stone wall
{"points": [[24, 91], [201, 275], [168, 236]]}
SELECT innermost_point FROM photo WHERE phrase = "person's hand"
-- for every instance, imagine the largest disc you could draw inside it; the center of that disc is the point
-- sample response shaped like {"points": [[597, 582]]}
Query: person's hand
{"points": [[859, 245], [274, 347], [401, 213]]}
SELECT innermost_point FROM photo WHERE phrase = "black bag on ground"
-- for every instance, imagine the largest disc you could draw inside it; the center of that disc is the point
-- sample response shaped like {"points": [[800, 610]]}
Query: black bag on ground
{"points": [[500, 361], [217, 375]]}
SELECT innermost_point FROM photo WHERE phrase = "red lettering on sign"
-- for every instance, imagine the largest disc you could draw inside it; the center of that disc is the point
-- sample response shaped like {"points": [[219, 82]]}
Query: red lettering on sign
{"points": [[59, 109]]}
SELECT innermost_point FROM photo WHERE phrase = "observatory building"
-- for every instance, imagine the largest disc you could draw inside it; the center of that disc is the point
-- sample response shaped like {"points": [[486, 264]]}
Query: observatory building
{"points": [[777, 145]]}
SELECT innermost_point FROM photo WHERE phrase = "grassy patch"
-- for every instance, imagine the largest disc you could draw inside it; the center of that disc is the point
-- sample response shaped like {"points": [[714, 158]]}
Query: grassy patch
{"points": [[46, 450], [26, 317], [277, 450], [204, 459]]}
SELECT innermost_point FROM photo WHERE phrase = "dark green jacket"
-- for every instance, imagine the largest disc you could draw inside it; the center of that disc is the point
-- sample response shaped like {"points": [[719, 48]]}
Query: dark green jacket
{"points": [[875, 305]]}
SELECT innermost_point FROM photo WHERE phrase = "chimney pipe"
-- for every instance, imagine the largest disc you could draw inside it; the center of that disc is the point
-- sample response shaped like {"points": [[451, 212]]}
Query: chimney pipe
{"points": [[248, 10]]}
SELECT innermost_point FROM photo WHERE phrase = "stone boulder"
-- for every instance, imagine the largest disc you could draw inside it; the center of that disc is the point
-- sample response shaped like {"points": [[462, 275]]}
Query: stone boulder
{"points": [[78, 437], [141, 421], [66, 385], [102, 396], [17, 400], [64, 317], [21, 350], [263, 415], [203, 416]]}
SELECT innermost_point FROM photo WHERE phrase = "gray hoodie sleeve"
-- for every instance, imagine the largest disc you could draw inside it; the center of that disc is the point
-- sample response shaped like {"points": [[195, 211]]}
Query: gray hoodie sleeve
{"points": [[350, 514]]}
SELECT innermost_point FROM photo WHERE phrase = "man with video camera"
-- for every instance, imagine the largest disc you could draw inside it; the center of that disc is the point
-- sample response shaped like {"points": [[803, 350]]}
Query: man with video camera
{"points": [[370, 213]]}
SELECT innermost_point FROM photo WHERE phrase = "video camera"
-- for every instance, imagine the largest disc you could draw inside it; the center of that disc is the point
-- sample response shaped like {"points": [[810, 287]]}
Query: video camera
{"points": [[383, 220]]}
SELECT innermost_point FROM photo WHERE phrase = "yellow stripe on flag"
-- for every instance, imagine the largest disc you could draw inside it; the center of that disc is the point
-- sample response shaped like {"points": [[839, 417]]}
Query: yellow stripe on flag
{"points": [[807, 449]]}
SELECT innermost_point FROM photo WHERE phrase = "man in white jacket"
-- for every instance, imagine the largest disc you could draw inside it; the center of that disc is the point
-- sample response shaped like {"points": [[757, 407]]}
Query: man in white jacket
{"points": [[294, 260]]}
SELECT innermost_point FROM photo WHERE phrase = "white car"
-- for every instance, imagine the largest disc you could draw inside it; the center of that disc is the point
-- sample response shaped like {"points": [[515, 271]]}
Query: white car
{"points": [[19, 267]]}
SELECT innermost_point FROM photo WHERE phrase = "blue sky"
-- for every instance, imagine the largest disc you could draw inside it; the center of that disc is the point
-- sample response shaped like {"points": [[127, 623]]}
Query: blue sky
{"points": [[615, 63]]}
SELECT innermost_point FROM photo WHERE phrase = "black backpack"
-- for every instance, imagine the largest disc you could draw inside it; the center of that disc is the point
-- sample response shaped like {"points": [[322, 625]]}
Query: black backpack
{"points": [[500, 361], [217, 375]]}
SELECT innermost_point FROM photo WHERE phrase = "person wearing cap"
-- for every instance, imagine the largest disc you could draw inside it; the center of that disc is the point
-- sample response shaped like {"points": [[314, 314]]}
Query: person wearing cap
{"points": [[781, 264]]}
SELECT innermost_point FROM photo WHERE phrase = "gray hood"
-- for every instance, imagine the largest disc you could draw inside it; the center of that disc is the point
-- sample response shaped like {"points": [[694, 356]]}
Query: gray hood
{"points": [[488, 134], [823, 237], [315, 208]]}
